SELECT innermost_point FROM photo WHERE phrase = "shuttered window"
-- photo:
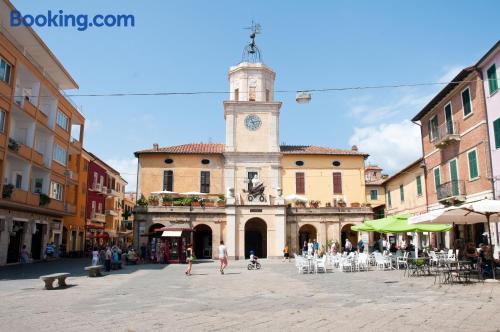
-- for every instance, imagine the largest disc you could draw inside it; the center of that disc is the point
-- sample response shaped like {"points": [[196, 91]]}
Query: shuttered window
{"points": [[337, 183], [402, 193], [473, 168], [496, 131], [433, 128], [492, 79], [466, 102], [205, 182], [437, 177], [300, 183], [389, 200], [168, 180], [419, 185]]}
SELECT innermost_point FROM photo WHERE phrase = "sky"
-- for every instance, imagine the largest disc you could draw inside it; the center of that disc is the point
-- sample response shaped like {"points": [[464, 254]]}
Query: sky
{"points": [[189, 46]]}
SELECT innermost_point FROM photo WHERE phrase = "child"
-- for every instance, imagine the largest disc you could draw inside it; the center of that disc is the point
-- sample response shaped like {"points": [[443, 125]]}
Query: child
{"points": [[253, 258]]}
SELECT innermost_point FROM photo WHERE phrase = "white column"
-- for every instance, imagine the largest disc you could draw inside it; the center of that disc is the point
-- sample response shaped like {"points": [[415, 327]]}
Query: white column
{"points": [[231, 232], [280, 232], [230, 139]]}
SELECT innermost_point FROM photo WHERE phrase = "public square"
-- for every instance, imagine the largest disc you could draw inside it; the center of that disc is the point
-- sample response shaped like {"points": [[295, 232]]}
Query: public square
{"points": [[161, 298]]}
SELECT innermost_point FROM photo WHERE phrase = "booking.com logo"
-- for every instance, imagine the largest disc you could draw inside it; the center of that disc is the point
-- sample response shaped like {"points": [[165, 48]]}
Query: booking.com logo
{"points": [[81, 22]]}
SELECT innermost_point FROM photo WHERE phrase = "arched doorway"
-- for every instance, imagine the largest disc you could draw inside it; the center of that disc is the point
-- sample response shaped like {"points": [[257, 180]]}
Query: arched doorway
{"points": [[256, 237], [306, 233], [156, 249], [202, 241], [346, 232]]}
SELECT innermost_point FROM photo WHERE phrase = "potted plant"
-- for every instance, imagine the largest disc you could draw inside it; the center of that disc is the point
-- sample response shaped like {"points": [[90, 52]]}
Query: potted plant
{"points": [[126, 214], [314, 204], [7, 190], [355, 205], [177, 201], [142, 201], [44, 199], [207, 202], [13, 145], [153, 200], [300, 204], [341, 203], [167, 200], [221, 200], [195, 201], [328, 204]]}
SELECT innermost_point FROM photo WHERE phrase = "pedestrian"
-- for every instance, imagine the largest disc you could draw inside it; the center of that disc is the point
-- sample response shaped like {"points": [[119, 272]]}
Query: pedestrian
{"points": [[95, 256], [315, 246], [286, 255], [310, 248], [361, 246], [107, 259], [25, 255], [304, 249], [189, 259], [222, 257], [144, 252], [348, 245]]}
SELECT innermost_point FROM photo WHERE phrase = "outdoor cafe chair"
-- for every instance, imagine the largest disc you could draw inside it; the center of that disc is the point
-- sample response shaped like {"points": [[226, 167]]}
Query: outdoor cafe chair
{"points": [[320, 264], [402, 260]]}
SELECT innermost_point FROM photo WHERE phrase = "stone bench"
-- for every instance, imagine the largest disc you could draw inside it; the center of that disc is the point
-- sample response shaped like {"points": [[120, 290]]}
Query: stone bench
{"points": [[94, 270], [49, 280]]}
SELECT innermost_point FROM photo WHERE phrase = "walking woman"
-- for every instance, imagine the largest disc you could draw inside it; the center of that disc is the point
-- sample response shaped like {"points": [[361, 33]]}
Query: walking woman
{"points": [[189, 259]]}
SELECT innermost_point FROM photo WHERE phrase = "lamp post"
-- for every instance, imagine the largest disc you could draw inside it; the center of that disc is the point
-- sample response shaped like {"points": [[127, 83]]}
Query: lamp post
{"points": [[303, 97]]}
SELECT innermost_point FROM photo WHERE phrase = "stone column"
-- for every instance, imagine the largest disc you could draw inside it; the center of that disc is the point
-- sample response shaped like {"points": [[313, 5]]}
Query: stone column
{"points": [[231, 232], [280, 232], [216, 237]]}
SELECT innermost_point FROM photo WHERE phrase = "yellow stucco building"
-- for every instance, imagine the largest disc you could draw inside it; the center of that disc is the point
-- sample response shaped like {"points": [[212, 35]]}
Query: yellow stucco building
{"points": [[256, 194]]}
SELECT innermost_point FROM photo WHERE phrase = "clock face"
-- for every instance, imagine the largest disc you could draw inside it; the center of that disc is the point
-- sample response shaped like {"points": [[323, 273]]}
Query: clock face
{"points": [[252, 122]]}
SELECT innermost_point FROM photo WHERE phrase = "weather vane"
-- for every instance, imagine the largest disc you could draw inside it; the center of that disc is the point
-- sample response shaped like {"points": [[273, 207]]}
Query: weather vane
{"points": [[251, 53]]}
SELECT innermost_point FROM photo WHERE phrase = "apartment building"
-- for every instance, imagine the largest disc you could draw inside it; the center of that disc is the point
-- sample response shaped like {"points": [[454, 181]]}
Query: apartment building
{"points": [[375, 191], [41, 134], [105, 195], [456, 148]]}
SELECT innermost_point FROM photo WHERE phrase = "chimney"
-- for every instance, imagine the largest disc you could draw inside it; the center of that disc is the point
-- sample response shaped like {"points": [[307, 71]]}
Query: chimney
{"points": [[155, 146], [354, 148]]}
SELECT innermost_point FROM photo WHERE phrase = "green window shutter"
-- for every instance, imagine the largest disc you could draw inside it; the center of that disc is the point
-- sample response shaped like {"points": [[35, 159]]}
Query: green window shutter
{"points": [[389, 202], [473, 169], [492, 78], [402, 193], [466, 102], [373, 195], [496, 130], [419, 185], [437, 177]]}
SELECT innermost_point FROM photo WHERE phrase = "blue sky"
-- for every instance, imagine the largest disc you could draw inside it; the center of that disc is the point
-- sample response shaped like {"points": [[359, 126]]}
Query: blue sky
{"points": [[189, 46]]}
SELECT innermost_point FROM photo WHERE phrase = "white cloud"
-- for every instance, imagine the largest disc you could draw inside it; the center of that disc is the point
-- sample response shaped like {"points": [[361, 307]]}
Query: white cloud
{"points": [[450, 73], [127, 169], [391, 145]]}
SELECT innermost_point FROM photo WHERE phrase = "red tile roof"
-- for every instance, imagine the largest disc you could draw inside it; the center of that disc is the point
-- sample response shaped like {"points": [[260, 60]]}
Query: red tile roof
{"points": [[217, 148]]}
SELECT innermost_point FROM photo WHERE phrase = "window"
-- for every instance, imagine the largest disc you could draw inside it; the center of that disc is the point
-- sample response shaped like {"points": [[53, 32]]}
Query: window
{"points": [[389, 200], [37, 185], [5, 70], [251, 94], [419, 185], [299, 163], [492, 79], [19, 180], [433, 128], [448, 118], [466, 102], [300, 183], [267, 94], [236, 94], [337, 183], [336, 163], [168, 161], [168, 180], [374, 194], [473, 168], [496, 132], [250, 176], [62, 120], [205, 182], [2, 120], [60, 155], [205, 161], [56, 191], [99, 208], [93, 207], [402, 193], [437, 177]]}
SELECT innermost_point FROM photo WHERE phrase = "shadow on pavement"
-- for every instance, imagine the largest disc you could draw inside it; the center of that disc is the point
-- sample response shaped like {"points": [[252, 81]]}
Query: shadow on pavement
{"points": [[75, 266]]}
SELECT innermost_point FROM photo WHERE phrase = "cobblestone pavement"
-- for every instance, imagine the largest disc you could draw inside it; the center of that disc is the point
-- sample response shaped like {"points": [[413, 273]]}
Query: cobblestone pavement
{"points": [[162, 298]]}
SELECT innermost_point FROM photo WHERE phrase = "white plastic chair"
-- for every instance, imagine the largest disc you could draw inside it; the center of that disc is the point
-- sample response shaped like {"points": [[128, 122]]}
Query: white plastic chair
{"points": [[320, 264], [402, 260]]}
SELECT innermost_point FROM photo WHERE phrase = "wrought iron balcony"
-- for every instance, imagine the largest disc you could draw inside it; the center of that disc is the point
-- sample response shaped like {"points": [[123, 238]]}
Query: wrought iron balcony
{"points": [[451, 192], [446, 134]]}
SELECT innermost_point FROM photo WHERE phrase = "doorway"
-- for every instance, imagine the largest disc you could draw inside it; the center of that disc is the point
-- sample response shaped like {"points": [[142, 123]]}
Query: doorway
{"points": [[256, 237], [347, 233], [36, 242], [16, 237], [306, 233], [203, 242]]}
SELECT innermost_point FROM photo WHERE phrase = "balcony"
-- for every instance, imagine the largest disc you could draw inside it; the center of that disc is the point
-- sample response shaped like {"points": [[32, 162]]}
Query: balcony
{"points": [[446, 134], [19, 196], [452, 192], [76, 143], [42, 118], [111, 213], [38, 158], [97, 217], [71, 175], [70, 208], [33, 199], [56, 205], [112, 192], [97, 187]]}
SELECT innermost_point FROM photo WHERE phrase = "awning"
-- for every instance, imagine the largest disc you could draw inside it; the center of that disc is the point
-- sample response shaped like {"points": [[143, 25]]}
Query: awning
{"points": [[173, 229], [171, 234]]}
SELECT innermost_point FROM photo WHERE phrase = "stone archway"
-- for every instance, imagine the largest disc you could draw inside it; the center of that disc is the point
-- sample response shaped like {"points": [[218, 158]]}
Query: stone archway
{"points": [[202, 241], [345, 233], [256, 237], [307, 232]]}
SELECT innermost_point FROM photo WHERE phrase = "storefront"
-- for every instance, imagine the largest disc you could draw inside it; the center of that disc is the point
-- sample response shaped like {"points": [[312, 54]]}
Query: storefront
{"points": [[168, 245], [95, 236]]}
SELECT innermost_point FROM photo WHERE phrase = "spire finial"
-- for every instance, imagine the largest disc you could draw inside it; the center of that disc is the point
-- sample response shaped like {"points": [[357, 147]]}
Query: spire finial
{"points": [[251, 53]]}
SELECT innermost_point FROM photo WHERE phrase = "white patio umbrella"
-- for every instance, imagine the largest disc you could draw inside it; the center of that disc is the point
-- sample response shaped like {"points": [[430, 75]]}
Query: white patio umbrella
{"points": [[295, 197], [192, 193], [163, 192]]}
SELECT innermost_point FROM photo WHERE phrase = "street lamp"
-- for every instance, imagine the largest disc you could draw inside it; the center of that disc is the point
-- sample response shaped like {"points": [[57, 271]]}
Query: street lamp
{"points": [[303, 97]]}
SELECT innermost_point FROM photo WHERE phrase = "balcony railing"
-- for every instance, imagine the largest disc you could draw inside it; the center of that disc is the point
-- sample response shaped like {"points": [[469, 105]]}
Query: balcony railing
{"points": [[111, 213], [112, 192], [97, 217], [451, 192], [446, 133]]}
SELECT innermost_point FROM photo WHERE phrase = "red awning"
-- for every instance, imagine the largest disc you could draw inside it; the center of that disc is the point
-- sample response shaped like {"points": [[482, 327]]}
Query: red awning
{"points": [[98, 236], [94, 226], [173, 229]]}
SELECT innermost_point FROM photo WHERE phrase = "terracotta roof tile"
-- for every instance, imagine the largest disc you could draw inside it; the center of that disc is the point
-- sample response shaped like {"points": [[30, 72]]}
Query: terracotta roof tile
{"points": [[217, 148]]}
